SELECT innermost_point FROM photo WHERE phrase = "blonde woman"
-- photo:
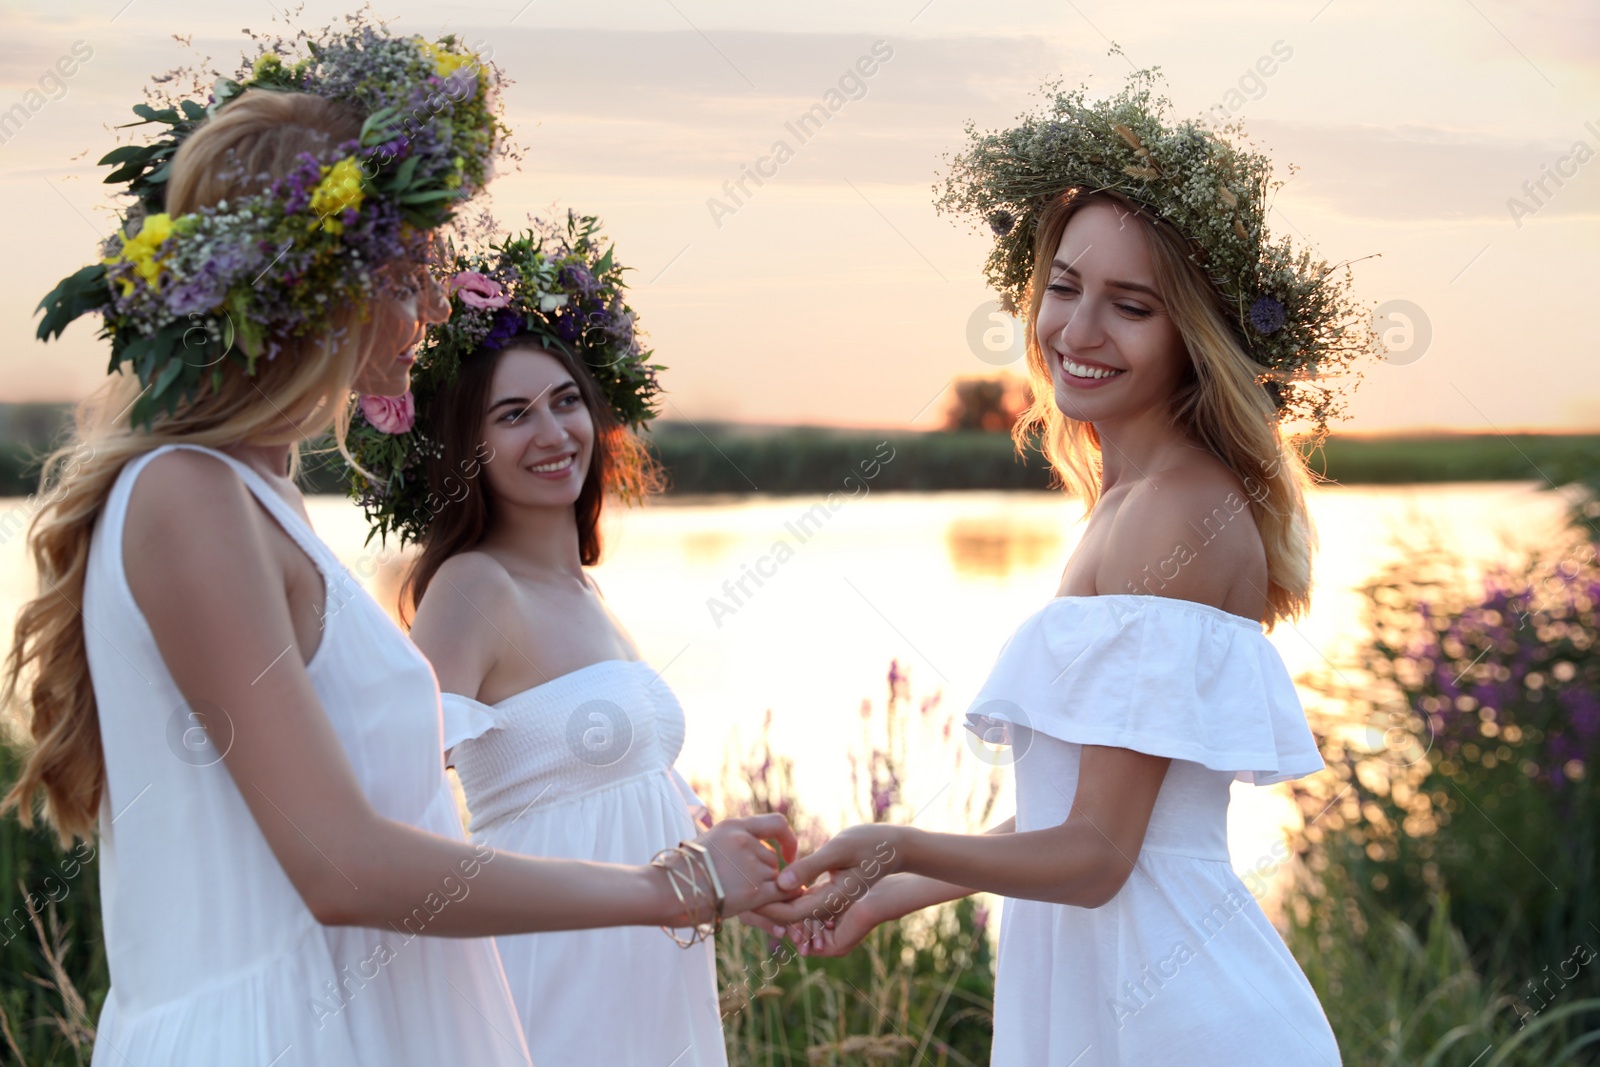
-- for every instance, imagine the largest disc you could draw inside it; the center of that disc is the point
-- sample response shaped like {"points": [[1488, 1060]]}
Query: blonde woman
{"points": [[1145, 686], [284, 879]]}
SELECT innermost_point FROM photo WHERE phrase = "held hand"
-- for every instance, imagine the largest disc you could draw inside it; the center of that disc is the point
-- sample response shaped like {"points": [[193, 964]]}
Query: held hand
{"points": [[839, 873], [745, 863], [839, 936]]}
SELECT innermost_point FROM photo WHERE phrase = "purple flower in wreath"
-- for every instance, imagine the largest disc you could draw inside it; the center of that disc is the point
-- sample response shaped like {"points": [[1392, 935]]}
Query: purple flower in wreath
{"points": [[507, 324], [568, 328], [575, 276], [1267, 314], [1002, 222]]}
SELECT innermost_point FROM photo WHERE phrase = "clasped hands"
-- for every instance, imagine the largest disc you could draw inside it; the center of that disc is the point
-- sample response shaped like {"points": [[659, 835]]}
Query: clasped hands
{"points": [[817, 901]]}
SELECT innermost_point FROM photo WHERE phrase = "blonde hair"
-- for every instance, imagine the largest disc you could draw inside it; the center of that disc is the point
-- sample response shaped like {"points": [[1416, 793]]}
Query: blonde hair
{"points": [[1220, 405], [291, 398]]}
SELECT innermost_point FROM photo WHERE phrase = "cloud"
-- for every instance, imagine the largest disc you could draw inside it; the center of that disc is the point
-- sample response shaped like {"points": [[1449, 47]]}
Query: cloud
{"points": [[1422, 173], [674, 105]]}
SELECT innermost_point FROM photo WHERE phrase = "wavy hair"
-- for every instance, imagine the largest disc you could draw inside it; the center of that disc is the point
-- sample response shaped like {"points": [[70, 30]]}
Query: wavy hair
{"points": [[292, 398], [1220, 403]]}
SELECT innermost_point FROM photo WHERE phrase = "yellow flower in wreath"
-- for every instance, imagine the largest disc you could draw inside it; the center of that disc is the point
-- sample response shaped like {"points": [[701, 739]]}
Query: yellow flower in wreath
{"points": [[141, 249], [445, 62], [340, 188]]}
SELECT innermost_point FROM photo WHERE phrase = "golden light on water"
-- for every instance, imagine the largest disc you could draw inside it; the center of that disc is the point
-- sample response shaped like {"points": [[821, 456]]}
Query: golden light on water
{"points": [[935, 582]]}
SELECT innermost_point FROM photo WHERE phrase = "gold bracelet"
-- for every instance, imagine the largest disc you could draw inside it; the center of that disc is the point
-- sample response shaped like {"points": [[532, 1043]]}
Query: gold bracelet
{"points": [[720, 897], [702, 930]]}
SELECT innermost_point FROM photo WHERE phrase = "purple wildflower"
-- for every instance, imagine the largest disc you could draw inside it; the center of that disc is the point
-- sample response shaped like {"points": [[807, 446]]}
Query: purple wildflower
{"points": [[1267, 314], [507, 323]]}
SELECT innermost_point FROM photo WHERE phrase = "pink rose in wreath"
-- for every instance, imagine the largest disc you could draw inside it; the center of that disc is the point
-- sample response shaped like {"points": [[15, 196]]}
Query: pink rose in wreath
{"points": [[477, 291], [390, 414]]}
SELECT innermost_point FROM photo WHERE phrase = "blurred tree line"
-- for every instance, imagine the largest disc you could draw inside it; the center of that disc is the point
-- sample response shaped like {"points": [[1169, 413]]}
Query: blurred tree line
{"points": [[971, 451]]}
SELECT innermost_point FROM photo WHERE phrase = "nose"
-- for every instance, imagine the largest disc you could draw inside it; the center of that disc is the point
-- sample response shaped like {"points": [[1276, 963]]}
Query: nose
{"points": [[433, 305], [1083, 330], [548, 431]]}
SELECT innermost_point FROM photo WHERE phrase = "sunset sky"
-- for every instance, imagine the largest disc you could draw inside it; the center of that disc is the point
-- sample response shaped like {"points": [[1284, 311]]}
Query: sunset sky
{"points": [[832, 293]]}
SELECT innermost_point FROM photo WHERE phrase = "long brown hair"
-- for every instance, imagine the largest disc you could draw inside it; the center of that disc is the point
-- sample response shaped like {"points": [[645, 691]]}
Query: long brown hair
{"points": [[1219, 403], [453, 417], [290, 398]]}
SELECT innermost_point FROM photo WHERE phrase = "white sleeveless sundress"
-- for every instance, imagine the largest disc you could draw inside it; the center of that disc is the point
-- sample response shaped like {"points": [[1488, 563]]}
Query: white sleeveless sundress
{"points": [[215, 960], [581, 767], [1181, 966]]}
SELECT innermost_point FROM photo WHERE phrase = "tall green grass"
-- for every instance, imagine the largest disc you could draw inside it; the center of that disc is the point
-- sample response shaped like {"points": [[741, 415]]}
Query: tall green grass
{"points": [[1451, 910], [53, 976]]}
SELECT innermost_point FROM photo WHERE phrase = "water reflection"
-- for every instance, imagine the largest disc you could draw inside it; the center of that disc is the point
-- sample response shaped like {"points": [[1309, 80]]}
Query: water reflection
{"points": [[936, 581], [994, 546]]}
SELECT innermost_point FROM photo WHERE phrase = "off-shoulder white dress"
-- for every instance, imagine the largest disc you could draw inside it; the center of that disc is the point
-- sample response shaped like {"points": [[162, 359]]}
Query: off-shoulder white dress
{"points": [[581, 767], [215, 959], [1181, 966]]}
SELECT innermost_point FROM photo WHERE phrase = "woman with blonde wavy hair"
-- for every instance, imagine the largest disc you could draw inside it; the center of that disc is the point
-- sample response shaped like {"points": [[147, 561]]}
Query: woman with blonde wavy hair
{"points": [[256, 745], [1166, 339]]}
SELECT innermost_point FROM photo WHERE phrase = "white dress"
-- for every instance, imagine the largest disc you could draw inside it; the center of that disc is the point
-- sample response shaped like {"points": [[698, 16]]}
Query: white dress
{"points": [[1181, 965], [214, 957], [580, 767]]}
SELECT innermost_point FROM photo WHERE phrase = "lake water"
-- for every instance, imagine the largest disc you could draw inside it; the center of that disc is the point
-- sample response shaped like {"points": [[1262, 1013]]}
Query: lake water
{"points": [[934, 581]]}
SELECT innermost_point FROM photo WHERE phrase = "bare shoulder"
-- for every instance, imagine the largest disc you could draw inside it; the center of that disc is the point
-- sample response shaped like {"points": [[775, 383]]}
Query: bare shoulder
{"points": [[463, 618], [186, 475], [183, 508], [202, 559], [1188, 532], [470, 588]]}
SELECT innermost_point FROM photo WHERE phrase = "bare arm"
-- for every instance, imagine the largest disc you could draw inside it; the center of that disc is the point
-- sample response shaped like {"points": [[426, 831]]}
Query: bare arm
{"points": [[214, 593], [912, 892], [1084, 861], [895, 897], [455, 623]]}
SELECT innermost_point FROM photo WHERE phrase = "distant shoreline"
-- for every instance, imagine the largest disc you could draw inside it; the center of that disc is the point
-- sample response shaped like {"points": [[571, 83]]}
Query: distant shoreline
{"points": [[733, 459]]}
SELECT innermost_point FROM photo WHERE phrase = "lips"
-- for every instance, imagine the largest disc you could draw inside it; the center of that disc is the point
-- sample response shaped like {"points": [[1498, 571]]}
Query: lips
{"points": [[408, 354], [1088, 373], [558, 467]]}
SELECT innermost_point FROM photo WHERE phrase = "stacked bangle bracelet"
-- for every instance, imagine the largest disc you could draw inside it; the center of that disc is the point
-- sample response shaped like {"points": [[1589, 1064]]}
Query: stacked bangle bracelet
{"points": [[692, 854]]}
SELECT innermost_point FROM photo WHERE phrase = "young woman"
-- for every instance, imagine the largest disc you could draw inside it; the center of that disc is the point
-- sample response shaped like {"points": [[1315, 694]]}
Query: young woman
{"points": [[284, 879], [563, 737], [1145, 686]]}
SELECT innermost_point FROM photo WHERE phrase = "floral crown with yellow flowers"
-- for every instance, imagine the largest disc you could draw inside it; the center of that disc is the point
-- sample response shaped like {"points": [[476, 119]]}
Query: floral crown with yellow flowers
{"points": [[558, 283], [237, 279], [1293, 318]]}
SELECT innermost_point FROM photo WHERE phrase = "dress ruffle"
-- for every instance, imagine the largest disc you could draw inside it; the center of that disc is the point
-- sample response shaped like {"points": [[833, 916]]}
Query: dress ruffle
{"points": [[464, 719], [1154, 674]]}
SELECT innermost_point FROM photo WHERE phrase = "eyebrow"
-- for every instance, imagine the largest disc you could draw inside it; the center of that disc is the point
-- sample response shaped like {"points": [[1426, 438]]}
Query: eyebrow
{"points": [[524, 401], [1131, 286]]}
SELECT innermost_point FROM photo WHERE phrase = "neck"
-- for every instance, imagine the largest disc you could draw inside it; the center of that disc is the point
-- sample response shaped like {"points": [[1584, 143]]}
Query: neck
{"points": [[271, 460], [1138, 446], [541, 538]]}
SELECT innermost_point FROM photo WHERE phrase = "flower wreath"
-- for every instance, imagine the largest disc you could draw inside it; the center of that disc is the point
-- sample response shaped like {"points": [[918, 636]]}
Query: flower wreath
{"points": [[555, 282], [1291, 315], [177, 293]]}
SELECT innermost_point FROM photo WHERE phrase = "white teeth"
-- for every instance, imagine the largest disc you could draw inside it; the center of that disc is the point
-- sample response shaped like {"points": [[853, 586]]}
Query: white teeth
{"points": [[1079, 370], [555, 465]]}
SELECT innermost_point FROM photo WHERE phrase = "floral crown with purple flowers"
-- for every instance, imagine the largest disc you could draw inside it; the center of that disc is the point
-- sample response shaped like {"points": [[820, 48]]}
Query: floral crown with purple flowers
{"points": [[556, 282], [237, 279], [1293, 318]]}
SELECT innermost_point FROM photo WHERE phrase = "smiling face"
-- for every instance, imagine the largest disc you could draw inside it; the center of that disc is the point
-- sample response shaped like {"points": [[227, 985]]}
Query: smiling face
{"points": [[539, 428], [1112, 348]]}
